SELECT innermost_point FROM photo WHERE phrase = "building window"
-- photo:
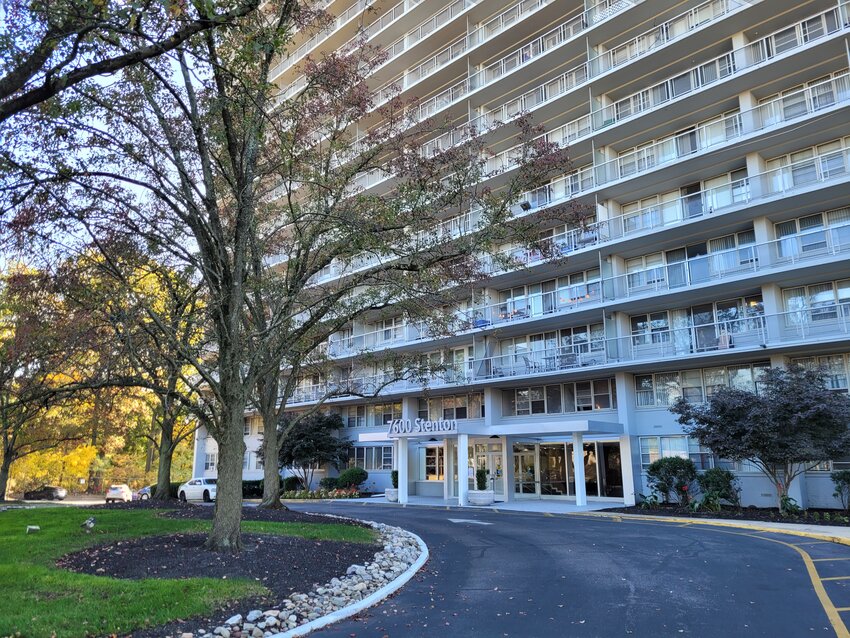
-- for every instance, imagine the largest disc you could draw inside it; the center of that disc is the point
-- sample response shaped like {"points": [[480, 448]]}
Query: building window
{"points": [[246, 429], [833, 367], [375, 457], [210, 461], [355, 416], [258, 460], [431, 464], [695, 386], [384, 414], [653, 448], [582, 396], [246, 460]]}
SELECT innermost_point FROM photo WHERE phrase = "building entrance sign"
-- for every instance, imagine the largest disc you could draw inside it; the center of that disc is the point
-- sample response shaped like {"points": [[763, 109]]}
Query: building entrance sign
{"points": [[418, 427]]}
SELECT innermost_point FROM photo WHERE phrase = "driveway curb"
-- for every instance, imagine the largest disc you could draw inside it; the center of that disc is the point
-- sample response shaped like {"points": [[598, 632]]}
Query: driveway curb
{"points": [[719, 523], [374, 598]]}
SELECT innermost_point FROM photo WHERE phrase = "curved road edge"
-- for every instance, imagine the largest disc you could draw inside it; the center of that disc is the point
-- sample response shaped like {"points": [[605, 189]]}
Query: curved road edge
{"points": [[372, 599]]}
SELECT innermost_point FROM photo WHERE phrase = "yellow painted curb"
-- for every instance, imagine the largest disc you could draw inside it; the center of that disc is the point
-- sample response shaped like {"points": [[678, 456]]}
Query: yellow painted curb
{"points": [[733, 524]]}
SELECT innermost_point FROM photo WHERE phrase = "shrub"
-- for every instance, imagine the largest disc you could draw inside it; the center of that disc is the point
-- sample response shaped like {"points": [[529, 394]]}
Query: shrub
{"points": [[328, 483], [481, 479], [352, 477], [841, 480], [672, 475], [291, 484], [349, 492], [394, 479], [720, 484], [172, 489], [252, 489]]}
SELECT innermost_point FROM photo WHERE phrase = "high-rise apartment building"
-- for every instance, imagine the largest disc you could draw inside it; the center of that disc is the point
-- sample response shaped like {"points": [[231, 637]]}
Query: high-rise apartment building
{"points": [[713, 140]]}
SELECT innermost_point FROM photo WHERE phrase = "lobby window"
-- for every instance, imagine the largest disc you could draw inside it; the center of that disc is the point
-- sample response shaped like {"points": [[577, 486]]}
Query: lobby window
{"points": [[375, 457], [431, 464], [210, 460]]}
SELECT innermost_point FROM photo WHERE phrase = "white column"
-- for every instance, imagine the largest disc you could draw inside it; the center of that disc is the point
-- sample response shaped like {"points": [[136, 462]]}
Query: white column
{"points": [[403, 478], [462, 469], [447, 470], [578, 469]]}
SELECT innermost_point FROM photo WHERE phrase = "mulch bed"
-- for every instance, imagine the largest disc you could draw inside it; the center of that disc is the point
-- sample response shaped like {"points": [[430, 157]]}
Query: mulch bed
{"points": [[758, 514], [283, 564]]}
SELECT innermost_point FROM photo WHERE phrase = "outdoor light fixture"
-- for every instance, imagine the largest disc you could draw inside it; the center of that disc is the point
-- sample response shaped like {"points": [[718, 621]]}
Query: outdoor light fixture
{"points": [[525, 205]]}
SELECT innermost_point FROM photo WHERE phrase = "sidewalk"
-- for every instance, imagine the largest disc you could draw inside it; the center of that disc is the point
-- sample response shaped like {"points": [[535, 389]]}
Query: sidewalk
{"points": [[834, 533]]}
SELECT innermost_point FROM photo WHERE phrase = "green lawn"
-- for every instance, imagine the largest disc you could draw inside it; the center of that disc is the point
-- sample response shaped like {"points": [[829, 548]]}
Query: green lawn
{"points": [[37, 599]]}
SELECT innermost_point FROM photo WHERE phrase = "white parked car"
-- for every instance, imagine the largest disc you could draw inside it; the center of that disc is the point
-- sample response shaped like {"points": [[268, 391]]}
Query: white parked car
{"points": [[198, 489], [121, 492]]}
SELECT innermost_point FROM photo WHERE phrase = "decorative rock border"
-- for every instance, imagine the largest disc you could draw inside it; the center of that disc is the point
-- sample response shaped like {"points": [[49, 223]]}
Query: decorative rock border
{"points": [[403, 554]]}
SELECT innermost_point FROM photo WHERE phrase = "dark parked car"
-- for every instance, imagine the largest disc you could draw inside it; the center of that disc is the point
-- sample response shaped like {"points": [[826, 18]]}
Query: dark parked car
{"points": [[46, 493]]}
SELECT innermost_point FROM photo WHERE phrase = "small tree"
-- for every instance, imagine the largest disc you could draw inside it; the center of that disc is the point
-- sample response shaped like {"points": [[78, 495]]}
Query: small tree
{"points": [[841, 480], [719, 484], [310, 443], [793, 421], [672, 475]]}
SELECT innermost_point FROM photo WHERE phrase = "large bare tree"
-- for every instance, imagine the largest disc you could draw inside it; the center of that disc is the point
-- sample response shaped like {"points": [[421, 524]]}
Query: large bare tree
{"points": [[197, 158]]}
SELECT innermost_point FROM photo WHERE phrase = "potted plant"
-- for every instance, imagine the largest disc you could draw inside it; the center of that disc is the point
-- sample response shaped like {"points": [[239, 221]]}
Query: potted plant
{"points": [[481, 496], [392, 492]]}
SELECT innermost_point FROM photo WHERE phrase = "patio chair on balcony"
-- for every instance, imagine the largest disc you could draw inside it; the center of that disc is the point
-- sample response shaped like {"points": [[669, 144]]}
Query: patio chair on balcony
{"points": [[531, 365]]}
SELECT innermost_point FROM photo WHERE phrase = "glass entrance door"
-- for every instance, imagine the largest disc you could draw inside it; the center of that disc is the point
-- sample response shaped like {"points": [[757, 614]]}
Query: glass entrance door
{"points": [[525, 470], [553, 469]]}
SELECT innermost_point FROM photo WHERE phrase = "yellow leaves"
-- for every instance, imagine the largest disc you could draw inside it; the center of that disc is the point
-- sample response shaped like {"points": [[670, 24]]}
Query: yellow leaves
{"points": [[54, 466]]}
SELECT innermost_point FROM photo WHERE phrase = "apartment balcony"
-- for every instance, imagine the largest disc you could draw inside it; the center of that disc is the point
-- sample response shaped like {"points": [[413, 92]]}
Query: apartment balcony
{"points": [[685, 90], [579, 133], [803, 328], [557, 38], [738, 339], [344, 23]]}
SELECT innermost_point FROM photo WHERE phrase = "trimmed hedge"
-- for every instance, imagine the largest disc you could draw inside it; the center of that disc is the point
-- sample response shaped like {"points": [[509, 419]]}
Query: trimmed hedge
{"points": [[328, 483], [291, 484], [352, 477], [252, 489]]}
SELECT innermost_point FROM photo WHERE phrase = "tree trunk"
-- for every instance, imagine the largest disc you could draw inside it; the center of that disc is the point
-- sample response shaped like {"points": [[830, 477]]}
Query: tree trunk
{"points": [[226, 535], [5, 467], [163, 474], [267, 389], [166, 455]]}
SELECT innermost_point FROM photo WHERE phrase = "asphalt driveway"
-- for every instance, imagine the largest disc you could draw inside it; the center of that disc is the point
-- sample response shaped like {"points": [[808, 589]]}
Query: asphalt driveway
{"points": [[529, 575]]}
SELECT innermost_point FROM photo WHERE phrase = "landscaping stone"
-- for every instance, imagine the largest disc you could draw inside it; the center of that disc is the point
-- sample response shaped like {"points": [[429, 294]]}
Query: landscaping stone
{"points": [[400, 551]]}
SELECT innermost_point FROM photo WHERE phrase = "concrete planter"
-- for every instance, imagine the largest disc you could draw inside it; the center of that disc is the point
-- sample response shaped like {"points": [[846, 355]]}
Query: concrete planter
{"points": [[392, 494], [481, 497]]}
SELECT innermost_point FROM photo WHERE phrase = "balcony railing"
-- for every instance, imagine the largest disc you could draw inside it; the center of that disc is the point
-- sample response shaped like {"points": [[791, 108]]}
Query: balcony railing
{"points": [[811, 246], [351, 12], [821, 170], [825, 323]]}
